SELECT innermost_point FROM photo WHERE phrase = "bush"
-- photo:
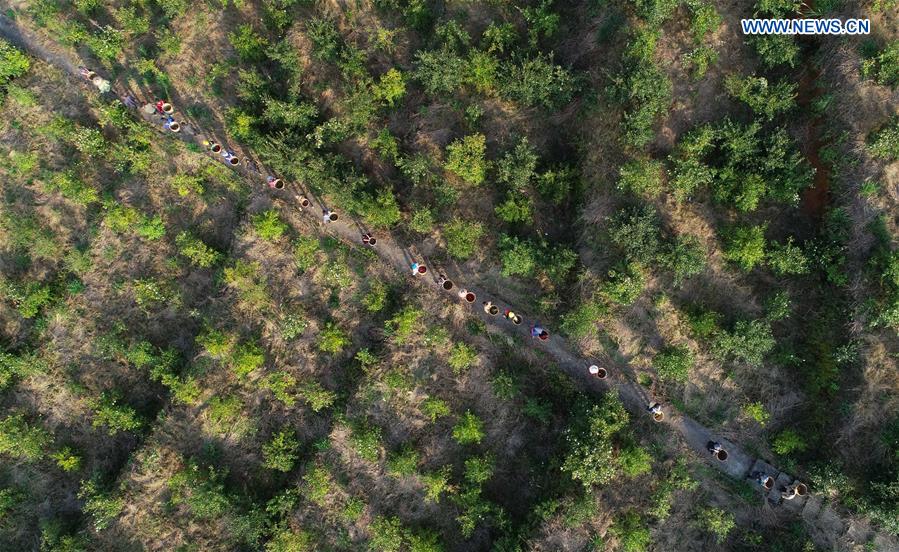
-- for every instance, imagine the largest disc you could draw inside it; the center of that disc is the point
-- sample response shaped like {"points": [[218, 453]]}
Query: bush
{"points": [[13, 63], [517, 208], [778, 306], [440, 71], [624, 285], [883, 68], [114, 416], [282, 385], [535, 81], [581, 322], [317, 484], [686, 258], [635, 232], [185, 184], [787, 442], [461, 358], [590, 458], [282, 451], [382, 211], [202, 491], [436, 483], [641, 177], [884, 143], [21, 440], [403, 324], [674, 363], [102, 506], [317, 396], [385, 535], [469, 429], [332, 339], [749, 342], [635, 461], [391, 87], [268, 225], [403, 463], [632, 534], [745, 246], [518, 257], [787, 259], [434, 408], [248, 45], [776, 50], [366, 441], [767, 101], [717, 522], [516, 168], [465, 158], [756, 411], [196, 251], [462, 238]]}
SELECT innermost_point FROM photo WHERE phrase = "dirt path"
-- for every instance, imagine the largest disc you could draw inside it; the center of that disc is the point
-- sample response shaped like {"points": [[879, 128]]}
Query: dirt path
{"points": [[827, 527]]}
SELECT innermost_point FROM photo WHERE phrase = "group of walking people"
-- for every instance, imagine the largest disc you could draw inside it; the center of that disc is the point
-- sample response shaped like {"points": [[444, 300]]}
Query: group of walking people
{"points": [[165, 112]]}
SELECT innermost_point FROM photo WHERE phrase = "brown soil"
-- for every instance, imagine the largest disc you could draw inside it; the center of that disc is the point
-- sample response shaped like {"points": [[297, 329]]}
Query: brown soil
{"points": [[816, 198]]}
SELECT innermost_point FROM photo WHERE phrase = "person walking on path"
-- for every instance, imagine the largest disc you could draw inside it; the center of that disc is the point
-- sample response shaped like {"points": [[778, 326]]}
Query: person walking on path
{"points": [[512, 317], [655, 409], [129, 101], [368, 239], [328, 216], [251, 165], [538, 332], [418, 268]]}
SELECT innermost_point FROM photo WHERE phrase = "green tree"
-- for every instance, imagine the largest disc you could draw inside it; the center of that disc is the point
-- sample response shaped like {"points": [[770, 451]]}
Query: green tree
{"points": [[764, 99], [21, 440], [102, 506], [631, 532], [382, 211], [461, 358], [517, 208], [686, 258], [13, 63], [674, 363], [114, 416], [624, 285], [281, 451], [268, 225], [635, 461], [391, 87], [717, 522], [469, 429], [332, 339], [590, 458], [465, 158], [434, 408], [745, 245], [516, 168], [518, 257], [884, 142], [787, 258], [385, 535], [883, 67], [196, 251], [749, 342], [317, 396], [787, 442], [462, 238], [536, 81], [641, 177]]}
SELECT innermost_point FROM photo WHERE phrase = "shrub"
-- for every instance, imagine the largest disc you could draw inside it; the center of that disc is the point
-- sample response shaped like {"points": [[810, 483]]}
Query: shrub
{"points": [[391, 87], [632, 534], [366, 441], [440, 71], [516, 168], [282, 385], [655, 12], [376, 298], [749, 342], [704, 19], [422, 221], [196, 251], [434, 408], [624, 285], [185, 184], [201, 491], [778, 306], [281, 451], [461, 358], [66, 459], [245, 358], [13, 63], [641, 176], [114, 416], [465, 158], [285, 540], [479, 469], [767, 101], [884, 143], [636, 233], [517, 208], [317, 396], [756, 411], [404, 462], [590, 458], [686, 258], [883, 68], [268, 225], [403, 324], [304, 252], [382, 211], [462, 238], [635, 461], [436, 483], [581, 322], [102, 506], [787, 258], [776, 50], [717, 522], [332, 339], [248, 45], [674, 363], [469, 429], [21, 440], [745, 246], [385, 535], [317, 484], [787, 442], [518, 257], [536, 81]]}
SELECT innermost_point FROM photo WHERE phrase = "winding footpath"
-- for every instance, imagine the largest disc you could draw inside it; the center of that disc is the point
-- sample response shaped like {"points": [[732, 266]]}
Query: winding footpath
{"points": [[828, 528]]}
